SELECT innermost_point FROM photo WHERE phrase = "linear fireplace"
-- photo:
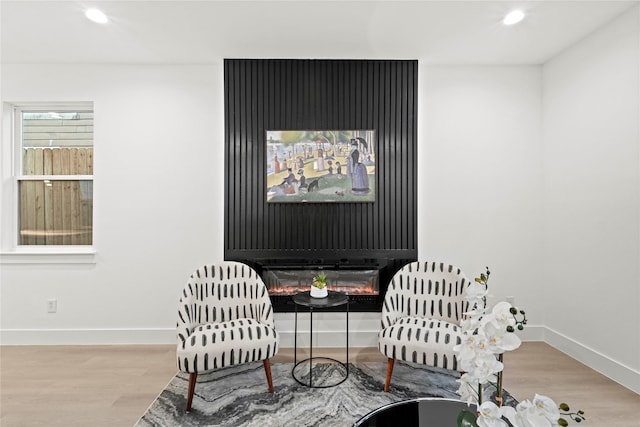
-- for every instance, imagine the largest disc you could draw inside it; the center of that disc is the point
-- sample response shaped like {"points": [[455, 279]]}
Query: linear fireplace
{"points": [[365, 280], [351, 282]]}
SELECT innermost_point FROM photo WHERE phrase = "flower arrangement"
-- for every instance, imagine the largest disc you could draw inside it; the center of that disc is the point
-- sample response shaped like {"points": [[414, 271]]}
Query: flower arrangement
{"points": [[486, 335]]}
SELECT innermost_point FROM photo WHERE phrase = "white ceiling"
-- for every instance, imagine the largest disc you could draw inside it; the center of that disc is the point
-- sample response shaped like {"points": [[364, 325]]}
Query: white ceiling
{"points": [[205, 31]]}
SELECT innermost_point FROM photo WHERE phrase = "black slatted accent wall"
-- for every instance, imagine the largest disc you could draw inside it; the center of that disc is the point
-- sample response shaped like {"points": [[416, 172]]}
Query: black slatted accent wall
{"points": [[265, 95]]}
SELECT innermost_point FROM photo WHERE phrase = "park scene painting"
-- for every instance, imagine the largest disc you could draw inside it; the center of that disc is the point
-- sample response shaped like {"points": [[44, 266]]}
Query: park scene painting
{"points": [[321, 166]]}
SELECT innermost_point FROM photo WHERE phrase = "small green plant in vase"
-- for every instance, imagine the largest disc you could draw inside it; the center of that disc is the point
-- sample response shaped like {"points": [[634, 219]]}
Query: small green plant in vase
{"points": [[319, 285]]}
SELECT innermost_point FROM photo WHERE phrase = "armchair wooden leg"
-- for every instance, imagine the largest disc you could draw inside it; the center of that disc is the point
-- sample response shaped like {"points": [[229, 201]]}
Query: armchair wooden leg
{"points": [[192, 386], [267, 370], [387, 383]]}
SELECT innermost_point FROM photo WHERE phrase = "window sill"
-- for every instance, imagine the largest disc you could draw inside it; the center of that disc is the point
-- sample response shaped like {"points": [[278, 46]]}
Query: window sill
{"points": [[50, 255]]}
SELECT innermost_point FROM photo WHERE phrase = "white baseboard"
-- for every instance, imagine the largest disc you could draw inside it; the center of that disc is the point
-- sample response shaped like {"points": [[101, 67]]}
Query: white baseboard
{"points": [[328, 339], [329, 329], [622, 374], [363, 337], [87, 336]]}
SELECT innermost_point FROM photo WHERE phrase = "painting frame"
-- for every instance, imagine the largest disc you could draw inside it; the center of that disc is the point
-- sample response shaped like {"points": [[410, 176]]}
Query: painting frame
{"points": [[320, 165]]}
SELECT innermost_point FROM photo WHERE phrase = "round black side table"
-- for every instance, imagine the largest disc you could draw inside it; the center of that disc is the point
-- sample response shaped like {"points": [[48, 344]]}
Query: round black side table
{"points": [[334, 299]]}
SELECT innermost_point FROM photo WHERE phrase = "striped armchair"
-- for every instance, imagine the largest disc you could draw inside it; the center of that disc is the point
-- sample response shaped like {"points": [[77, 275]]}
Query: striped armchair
{"points": [[421, 316], [225, 318]]}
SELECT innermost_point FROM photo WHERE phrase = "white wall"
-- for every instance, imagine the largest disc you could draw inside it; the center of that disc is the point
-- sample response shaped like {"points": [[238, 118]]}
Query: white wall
{"points": [[591, 203], [480, 192], [158, 202]]}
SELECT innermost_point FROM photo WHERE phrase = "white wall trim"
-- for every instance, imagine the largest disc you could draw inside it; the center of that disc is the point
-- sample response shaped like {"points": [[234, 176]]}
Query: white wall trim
{"points": [[330, 339], [616, 371], [321, 339], [30, 257], [87, 336]]}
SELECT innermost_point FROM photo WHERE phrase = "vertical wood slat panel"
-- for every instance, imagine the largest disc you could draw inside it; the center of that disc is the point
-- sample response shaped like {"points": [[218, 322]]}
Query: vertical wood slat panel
{"points": [[243, 122], [398, 150], [260, 159], [265, 95], [412, 132], [229, 219], [389, 157]]}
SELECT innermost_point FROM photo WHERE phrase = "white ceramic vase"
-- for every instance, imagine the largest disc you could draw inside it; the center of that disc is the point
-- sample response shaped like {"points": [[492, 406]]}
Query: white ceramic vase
{"points": [[319, 292]]}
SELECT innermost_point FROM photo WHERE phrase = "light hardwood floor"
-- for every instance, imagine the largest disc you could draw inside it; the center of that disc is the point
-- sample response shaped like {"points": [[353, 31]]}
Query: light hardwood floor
{"points": [[114, 385]]}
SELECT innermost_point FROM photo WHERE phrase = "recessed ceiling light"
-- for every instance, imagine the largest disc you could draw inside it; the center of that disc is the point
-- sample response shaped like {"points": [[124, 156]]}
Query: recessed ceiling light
{"points": [[513, 17], [96, 16]]}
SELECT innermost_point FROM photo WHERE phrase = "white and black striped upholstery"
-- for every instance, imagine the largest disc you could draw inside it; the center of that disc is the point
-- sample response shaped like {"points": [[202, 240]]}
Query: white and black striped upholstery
{"points": [[421, 315], [225, 318]]}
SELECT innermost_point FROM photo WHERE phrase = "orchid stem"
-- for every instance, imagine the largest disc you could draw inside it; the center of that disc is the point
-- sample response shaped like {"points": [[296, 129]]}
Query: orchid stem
{"points": [[499, 386]]}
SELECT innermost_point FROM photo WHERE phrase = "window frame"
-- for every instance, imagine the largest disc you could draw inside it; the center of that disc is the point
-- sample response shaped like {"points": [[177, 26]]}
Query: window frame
{"points": [[11, 251]]}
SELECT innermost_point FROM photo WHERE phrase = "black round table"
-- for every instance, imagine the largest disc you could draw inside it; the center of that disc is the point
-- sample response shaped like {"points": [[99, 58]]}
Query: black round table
{"points": [[333, 299], [421, 412]]}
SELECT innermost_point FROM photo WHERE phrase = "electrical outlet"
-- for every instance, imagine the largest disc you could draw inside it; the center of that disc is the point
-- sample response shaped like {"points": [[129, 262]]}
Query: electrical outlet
{"points": [[52, 305]]}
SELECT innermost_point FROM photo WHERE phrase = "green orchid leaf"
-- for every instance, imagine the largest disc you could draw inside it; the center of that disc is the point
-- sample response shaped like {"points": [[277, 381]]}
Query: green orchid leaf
{"points": [[467, 419]]}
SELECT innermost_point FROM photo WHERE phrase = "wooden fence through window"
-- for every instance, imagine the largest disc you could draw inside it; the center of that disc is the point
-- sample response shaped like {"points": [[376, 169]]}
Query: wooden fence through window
{"points": [[56, 211]]}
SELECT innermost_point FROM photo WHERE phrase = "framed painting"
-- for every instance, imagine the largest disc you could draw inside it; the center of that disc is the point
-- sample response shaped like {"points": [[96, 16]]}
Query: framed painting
{"points": [[321, 166]]}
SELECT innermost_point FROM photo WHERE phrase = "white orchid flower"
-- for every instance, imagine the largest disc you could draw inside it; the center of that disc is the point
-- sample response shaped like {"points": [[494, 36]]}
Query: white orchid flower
{"points": [[546, 406], [534, 419], [471, 322], [527, 414], [510, 413], [475, 294], [490, 415], [470, 346], [485, 366], [500, 316], [524, 405], [499, 340], [468, 389]]}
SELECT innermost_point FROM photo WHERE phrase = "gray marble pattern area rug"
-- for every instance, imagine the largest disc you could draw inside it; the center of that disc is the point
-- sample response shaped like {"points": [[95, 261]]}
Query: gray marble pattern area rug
{"points": [[238, 396]]}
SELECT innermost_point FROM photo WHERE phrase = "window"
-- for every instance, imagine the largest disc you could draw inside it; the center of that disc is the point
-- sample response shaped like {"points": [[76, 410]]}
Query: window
{"points": [[54, 175]]}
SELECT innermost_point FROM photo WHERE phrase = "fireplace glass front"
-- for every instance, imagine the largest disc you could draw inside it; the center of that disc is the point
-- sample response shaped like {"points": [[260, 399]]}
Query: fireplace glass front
{"points": [[351, 282]]}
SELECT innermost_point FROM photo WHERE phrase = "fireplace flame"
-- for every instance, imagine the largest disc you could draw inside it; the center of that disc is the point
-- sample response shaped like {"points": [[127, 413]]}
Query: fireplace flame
{"points": [[349, 290]]}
